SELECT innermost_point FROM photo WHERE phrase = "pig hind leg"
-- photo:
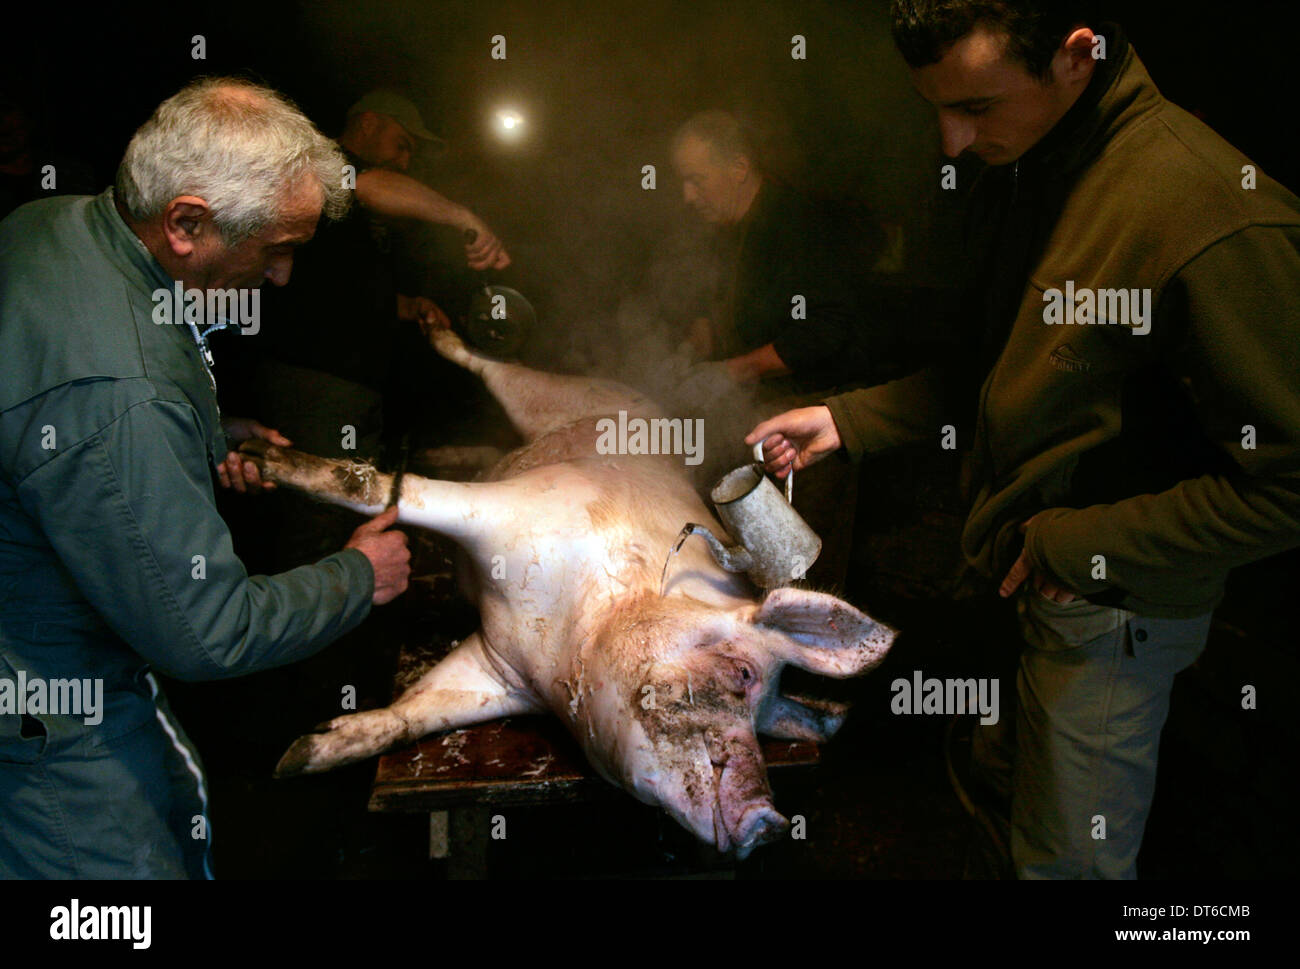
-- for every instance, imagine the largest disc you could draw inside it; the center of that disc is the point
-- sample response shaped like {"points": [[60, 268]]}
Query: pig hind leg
{"points": [[458, 691], [538, 402]]}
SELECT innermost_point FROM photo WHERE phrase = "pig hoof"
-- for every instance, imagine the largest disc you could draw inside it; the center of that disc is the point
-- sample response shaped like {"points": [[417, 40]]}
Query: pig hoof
{"points": [[316, 752], [344, 740], [451, 346], [256, 445], [300, 758]]}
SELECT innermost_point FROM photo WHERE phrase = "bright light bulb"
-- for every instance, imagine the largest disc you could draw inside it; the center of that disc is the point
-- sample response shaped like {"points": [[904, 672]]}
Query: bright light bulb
{"points": [[511, 122]]}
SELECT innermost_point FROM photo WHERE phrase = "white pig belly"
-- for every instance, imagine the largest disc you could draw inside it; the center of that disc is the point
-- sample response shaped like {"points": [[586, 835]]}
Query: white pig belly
{"points": [[542, 595], [548, 590]]}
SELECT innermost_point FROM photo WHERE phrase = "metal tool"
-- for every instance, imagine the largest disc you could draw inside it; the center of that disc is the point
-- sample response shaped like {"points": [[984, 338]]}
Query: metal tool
{"points": [[403, 459], [499, 317]]}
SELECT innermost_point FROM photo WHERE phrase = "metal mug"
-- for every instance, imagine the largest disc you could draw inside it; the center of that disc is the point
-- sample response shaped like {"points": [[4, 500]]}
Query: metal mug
{"points": [[776, 546]]}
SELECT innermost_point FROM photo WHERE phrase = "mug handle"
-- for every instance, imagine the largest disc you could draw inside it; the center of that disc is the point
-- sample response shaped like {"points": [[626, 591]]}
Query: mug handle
{"points": [[789, 478]]}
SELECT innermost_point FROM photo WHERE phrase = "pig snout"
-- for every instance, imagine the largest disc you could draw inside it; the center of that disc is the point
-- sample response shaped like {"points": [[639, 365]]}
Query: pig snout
{"points": [[759, 825], [745, 811]]}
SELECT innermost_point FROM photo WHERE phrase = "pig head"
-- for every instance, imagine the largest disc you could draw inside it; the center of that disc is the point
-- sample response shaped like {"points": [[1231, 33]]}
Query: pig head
{"points": [[671, 694]]}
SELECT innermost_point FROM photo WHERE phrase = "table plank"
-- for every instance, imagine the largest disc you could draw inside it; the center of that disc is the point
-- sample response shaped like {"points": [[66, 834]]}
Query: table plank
{"points": [[517, 760]]}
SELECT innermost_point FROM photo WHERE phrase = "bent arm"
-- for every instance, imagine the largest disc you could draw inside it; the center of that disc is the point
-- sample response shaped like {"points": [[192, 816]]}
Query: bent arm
{"points": [[131, 514], [399, 196], [1241, 299]]}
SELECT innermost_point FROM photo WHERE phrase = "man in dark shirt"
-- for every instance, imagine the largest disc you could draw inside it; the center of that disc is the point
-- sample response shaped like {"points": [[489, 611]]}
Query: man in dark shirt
{"points": [[787, 304], [1113, 478], [782, 320]]}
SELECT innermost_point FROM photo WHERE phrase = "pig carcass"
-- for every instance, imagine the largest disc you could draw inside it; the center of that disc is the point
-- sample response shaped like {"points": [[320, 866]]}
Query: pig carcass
{"points": [[665, 690]]}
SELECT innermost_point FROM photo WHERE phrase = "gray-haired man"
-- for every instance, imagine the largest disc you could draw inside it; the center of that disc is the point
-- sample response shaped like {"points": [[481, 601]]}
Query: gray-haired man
{"points": [[113, 558]]}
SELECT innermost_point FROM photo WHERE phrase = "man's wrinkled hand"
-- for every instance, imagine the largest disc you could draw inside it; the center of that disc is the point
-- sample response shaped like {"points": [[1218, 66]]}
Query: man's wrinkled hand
{"points": [[1021, 570], [483, 250], [240, 475], [389, 556]]}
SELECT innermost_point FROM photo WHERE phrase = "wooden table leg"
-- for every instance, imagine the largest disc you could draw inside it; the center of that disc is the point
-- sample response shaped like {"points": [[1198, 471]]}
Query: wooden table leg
{"points": [[439, 843]]}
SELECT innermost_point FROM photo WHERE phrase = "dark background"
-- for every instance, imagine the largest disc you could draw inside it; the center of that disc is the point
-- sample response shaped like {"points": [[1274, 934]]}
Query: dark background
{"points": [[602, 85]]}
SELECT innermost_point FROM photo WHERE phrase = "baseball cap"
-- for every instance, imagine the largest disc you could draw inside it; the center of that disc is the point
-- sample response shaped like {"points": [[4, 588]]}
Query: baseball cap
{"points": [[398, 107]]}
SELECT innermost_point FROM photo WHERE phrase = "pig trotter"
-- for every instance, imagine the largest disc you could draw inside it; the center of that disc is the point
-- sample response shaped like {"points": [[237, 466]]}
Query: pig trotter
{"points": [[451, 347], [348, 739], [539, 403], [458, 691]]}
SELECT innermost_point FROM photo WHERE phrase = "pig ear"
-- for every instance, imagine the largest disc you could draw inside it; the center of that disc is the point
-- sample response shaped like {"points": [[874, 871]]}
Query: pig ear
{"points": [[821, 633]]}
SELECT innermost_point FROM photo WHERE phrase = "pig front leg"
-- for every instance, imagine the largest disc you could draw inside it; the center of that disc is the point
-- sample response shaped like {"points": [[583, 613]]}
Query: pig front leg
{"points": [[459, 691], [539, 402]]}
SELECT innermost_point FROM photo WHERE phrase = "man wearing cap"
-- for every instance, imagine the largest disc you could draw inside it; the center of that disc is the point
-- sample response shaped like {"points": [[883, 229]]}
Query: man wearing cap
{"points": [[381, 130], [321, 377]]}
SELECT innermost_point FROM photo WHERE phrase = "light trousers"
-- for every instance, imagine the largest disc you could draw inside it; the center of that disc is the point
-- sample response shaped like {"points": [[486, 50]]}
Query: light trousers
{"points": [[1077, 760]]}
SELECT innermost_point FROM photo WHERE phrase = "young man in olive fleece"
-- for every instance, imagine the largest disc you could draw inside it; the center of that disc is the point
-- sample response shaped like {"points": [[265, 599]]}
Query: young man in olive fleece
{"points": [[1125, 458]]}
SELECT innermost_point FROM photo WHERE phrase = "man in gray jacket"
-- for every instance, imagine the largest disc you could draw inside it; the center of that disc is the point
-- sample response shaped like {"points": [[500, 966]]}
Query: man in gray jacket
{"points": [[113, 559]]}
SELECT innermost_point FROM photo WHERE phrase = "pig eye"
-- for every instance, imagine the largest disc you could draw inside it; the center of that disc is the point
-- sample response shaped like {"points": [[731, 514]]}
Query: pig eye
{"points": [[738, 677]]}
